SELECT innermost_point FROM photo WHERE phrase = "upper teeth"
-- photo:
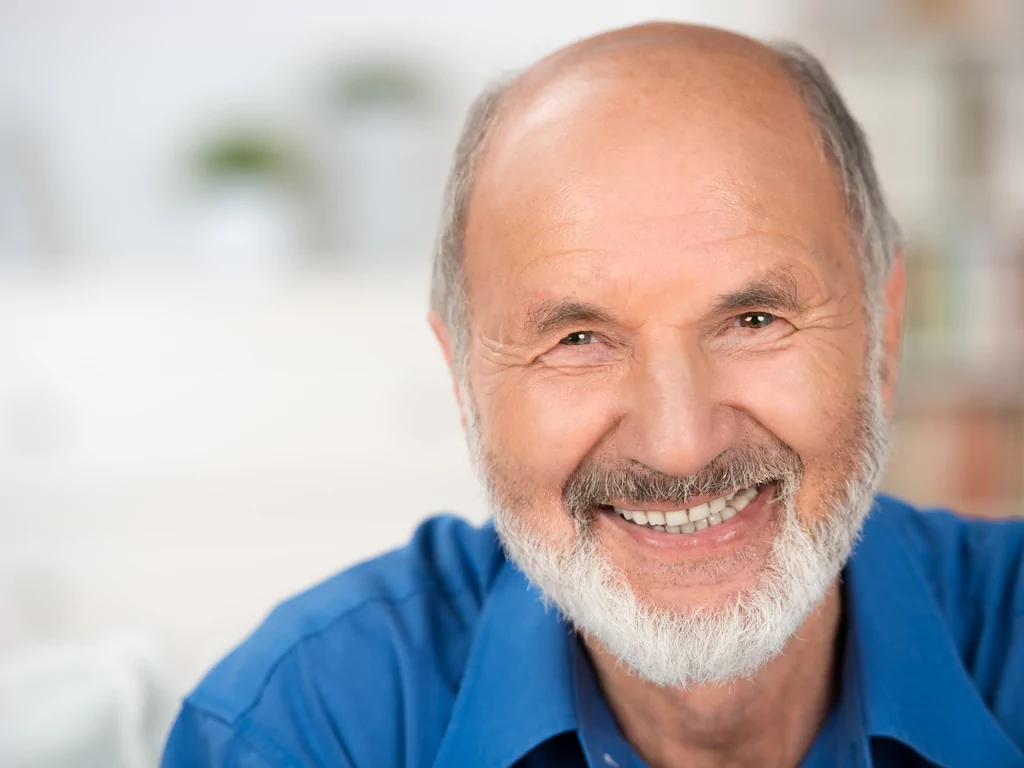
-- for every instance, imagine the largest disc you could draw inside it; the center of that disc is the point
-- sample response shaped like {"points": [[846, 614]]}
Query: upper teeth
{"points": [[695, 518]]}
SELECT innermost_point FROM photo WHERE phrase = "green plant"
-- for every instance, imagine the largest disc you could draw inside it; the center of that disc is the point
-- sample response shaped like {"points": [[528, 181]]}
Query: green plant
{"points": [[244, 154]]}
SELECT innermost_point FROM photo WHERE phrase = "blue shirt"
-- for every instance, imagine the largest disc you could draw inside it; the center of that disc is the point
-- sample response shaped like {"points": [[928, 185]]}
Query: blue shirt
{"points": [[440, 654]]}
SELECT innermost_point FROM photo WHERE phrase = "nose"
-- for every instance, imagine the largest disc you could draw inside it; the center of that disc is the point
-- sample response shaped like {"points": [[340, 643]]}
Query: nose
{"points": [[672, 421]]}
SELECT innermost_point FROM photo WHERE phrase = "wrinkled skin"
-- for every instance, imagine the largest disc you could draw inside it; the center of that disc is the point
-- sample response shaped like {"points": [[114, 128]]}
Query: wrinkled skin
{"points": [[659, 185]]}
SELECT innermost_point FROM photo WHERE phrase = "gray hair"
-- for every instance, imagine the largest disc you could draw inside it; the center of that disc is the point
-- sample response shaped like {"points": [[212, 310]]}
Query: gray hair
{"points": [[874, 232]]}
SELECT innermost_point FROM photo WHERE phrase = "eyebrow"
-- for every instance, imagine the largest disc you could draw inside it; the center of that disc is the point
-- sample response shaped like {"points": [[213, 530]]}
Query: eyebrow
{"points": [[777, 291], [548, 316]]}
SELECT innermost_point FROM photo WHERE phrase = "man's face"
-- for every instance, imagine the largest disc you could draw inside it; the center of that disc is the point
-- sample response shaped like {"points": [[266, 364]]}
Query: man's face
{"points": [[666, 304]]}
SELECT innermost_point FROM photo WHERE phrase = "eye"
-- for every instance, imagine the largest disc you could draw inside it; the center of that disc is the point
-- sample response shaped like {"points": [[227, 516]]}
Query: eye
{"points": [[579, 339], [752, 331], [755, 320]]}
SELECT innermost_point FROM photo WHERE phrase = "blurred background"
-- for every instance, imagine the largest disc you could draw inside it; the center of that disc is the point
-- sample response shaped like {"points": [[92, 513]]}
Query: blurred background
{"points": [[217, 385]]}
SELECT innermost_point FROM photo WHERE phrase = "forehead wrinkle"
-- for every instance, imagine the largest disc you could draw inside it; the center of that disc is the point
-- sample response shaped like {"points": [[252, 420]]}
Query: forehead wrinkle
{"points": [[557, 260], [721, 216]]}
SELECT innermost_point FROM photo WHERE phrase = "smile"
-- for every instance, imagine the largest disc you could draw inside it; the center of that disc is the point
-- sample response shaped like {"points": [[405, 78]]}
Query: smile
{"points": [[694, 518]]}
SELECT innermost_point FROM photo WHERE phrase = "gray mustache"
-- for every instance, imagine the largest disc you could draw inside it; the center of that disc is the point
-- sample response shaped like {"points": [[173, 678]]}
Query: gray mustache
{"points": [[593, 484]]}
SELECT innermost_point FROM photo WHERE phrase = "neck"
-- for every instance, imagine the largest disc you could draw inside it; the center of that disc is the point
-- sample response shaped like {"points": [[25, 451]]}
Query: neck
{"points": [[770, 719]]}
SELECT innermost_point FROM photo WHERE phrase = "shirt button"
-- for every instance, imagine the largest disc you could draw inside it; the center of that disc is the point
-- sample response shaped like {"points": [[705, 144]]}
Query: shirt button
{"points": [[609, 760]]}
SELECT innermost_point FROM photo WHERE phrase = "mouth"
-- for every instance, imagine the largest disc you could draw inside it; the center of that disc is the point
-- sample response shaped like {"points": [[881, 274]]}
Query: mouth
{"points": [[690, 520]]}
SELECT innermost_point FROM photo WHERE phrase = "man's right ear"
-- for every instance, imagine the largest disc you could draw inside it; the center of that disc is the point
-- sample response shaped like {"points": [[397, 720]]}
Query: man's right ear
{"points": [[441, 334], [444, 339]]}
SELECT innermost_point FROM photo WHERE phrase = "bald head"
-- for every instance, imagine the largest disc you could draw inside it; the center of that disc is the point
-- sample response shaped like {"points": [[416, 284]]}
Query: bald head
{"points": [[657, 59], [649, 106]]}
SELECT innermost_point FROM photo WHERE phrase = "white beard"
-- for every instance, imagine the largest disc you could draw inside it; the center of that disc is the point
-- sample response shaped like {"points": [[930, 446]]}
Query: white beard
{"points": [[707, 645]]}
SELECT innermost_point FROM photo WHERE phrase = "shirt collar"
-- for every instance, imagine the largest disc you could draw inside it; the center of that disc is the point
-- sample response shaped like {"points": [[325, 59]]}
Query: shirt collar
{"points": [[518, 681], [913, 685], [599, 734]]}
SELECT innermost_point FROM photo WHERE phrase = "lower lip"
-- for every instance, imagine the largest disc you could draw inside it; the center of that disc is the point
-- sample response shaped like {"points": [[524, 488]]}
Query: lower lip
{"points": [[726, 534]]}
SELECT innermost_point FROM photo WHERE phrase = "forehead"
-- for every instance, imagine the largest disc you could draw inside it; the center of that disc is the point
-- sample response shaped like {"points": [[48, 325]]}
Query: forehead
{"points": [[664, 174]]}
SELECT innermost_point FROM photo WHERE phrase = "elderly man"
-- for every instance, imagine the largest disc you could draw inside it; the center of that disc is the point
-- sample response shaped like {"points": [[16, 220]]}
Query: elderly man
{"points": [[670, 296]]}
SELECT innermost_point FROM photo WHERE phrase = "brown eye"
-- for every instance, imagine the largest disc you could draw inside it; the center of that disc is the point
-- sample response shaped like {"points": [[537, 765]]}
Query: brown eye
{"points": [[578, 338], [755, 320]]}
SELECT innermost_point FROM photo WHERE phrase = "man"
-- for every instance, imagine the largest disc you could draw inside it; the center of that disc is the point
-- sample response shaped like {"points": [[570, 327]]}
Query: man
{"points": [[670, 295]]}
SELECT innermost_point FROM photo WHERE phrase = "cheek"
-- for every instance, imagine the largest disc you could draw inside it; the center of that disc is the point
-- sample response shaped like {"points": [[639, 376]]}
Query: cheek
{"points": [[799, 399], [544, 423], [807, 397]]}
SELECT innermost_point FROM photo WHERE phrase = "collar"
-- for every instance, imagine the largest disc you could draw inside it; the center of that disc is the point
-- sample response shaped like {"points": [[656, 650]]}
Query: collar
{"points": [[912, 682], [599, 734], [517, 687]]}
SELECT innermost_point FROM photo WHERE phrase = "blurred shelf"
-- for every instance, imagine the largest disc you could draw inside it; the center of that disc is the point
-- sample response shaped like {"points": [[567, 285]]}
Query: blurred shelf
{"points": [[927, 389]]}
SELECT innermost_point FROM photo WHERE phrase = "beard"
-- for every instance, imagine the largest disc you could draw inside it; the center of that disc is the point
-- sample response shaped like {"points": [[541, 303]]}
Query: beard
{"points": [[702, 644]]}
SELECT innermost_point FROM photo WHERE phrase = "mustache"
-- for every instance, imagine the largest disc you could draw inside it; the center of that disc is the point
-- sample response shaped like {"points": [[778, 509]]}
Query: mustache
{"points": [[594, 483]]}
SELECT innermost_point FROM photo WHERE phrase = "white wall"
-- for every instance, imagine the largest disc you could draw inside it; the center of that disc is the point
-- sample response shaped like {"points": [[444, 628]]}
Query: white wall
{"points": [[187, 455], [111, 92]]}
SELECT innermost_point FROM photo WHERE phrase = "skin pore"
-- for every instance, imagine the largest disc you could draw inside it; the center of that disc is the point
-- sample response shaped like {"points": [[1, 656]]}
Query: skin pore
{"points": [[659, 271]]}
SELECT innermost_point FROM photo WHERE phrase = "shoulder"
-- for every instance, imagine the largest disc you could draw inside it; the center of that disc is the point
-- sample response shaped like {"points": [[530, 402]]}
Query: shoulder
{"points": [[975, 570], [969, 562], [362, 668]]}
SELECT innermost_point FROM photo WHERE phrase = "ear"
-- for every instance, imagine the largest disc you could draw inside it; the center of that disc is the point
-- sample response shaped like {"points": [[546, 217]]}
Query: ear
{"points": [[892, 332], [441, 334], [444, 339]]}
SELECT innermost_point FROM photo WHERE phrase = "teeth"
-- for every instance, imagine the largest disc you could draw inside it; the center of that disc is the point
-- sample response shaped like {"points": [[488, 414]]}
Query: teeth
{"points": [[696, 518], [676, 518], [700, 512]]}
